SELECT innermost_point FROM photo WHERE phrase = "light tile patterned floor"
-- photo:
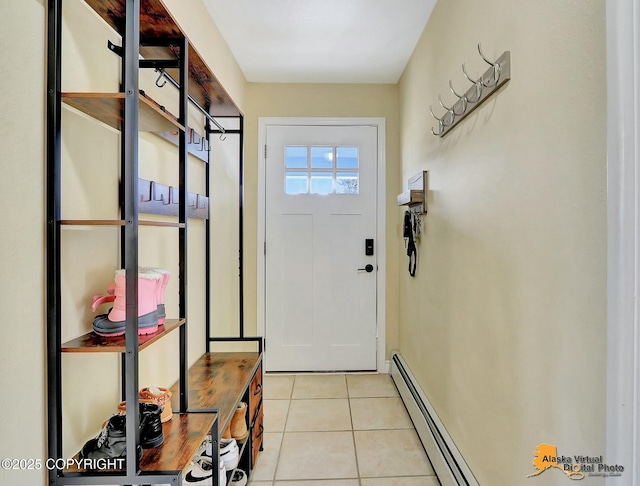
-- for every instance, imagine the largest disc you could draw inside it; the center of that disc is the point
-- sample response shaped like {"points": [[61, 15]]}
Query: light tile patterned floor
{"points": [[338, 430]]}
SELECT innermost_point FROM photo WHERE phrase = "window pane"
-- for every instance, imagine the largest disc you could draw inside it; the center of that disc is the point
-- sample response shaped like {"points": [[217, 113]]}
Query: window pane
{"points": [[296, 183], [347, 183], [295, 157], [321, 183], [347, 157], [321, 157]]}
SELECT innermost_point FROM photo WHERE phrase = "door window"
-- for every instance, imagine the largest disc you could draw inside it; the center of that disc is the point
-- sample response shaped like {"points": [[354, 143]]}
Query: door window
{"points": [[321, 170]]}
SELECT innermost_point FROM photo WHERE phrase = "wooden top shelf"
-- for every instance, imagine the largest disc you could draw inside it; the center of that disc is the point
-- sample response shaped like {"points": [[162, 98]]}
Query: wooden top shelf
{"points": [[218, 380], [92, 343], [156, 22], [108, 108]]}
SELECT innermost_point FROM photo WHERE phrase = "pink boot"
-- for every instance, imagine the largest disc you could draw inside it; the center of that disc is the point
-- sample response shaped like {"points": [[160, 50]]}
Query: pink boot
{"points": [[160, 288], [162, 285], [114, 323]]}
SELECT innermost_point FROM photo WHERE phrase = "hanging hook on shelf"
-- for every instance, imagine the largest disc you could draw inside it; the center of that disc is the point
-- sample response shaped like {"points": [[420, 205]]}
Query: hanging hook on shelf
{"points": [[478, 84], [433, 114], [496, 69], [222, 136], [449, 111], [161, 71], [461, 97], [438, 133], [442, 104], [440, 123]]}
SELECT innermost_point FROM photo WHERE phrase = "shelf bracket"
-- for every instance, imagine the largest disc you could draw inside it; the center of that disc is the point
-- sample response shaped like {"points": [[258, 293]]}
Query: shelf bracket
{"points": [[147, 63]]}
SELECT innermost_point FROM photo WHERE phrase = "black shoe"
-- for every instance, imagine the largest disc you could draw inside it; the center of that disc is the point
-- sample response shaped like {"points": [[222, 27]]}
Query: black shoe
{"points": [[111, 443], [151, 434]]}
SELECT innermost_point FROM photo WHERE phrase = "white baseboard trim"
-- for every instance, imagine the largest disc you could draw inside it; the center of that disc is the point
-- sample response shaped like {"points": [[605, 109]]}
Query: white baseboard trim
{"points": [[447, 461]]}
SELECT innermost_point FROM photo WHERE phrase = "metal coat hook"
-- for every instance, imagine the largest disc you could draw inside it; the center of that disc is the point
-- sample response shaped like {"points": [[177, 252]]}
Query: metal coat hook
{"points": [[441, 128], [222, 137], [443, 105], [496, 69], [440, 123], [460, 97], [478, 84], [161, 71], [448, 112]]}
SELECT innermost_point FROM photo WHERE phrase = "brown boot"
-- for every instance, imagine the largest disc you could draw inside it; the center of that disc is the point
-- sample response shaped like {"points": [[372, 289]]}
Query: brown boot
{"points": [[159, 396], [238, 428]]}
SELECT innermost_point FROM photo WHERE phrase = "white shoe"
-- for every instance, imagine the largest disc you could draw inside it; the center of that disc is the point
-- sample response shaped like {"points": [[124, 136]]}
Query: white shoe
{"points": [[199, 472], [223, 474], [204, 450], [229, 453], [239, 478]]}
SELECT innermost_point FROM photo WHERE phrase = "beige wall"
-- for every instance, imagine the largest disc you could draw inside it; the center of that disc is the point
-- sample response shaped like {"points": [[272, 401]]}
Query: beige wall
{"points": [[22, 343], [90, 157], [509, 340], [318, 100]]}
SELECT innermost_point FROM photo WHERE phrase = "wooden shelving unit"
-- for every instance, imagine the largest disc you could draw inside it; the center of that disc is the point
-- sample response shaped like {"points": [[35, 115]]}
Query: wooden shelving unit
{"points": [[154, 41], [92, 343]]}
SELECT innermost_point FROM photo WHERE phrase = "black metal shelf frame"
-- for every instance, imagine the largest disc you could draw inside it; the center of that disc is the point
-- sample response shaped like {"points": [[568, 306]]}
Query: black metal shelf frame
{"points": [[129, 244]]}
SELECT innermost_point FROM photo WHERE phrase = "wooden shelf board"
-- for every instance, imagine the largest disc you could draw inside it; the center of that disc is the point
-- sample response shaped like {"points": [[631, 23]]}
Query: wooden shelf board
{"points": [[218, 380], [117, 222], [108, 108], [92, 343], [157, 22], [183, 434]]}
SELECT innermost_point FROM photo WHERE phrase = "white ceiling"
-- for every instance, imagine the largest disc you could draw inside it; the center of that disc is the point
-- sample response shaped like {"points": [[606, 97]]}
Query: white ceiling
{"points": [[321, 41]]}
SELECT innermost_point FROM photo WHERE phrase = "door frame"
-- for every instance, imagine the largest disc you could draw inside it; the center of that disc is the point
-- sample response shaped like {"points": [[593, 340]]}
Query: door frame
{"points": [[623, 238], [381, 286]]}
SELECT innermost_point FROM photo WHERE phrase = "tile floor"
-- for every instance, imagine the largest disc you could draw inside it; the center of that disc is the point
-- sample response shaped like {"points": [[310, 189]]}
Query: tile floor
{"points": [[338, 430]]}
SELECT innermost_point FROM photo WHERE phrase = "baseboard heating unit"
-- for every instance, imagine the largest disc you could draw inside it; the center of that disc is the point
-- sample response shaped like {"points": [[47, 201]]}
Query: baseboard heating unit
{"points": [[445, 457]]}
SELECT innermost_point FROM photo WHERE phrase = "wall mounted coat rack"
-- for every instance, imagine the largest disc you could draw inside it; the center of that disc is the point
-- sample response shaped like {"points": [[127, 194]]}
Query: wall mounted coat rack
{"points": [[155, 198], [482, 88]]}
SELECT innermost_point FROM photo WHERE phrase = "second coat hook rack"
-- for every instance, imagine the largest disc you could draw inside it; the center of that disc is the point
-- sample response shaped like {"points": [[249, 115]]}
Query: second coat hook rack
{"points": [[481, 89]]}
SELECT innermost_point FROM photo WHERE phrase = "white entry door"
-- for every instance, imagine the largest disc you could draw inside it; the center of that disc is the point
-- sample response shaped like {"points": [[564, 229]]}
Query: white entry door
{"points": [[321, 270]]}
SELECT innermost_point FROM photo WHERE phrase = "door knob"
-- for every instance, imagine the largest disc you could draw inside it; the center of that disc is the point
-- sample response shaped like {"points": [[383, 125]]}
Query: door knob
{"points": [[367, 268]]}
